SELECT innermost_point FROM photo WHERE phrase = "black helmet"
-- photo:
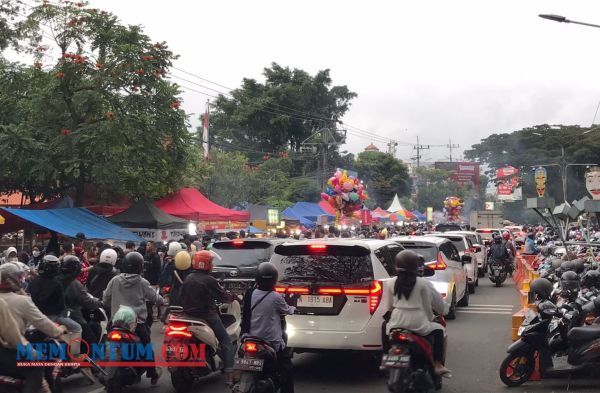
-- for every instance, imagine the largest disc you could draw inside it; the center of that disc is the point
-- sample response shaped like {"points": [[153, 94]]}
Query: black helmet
{"points": [[266, 276], [541, 287], [578, 265], [71, 265], [569, 281], [567, 266], [407, 261], [591, 279], [556, 263], [498, 239], [133, 263], [49, 266]]}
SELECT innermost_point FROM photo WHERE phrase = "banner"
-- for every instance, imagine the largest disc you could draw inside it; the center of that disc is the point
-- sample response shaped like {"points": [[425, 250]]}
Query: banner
{"points": [[508, 184], [430, 214]]}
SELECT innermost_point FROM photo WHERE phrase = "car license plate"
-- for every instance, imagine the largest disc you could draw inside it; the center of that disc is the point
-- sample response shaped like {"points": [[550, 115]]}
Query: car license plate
{"points": [[244, 364], [395, 361], [315, 301]]}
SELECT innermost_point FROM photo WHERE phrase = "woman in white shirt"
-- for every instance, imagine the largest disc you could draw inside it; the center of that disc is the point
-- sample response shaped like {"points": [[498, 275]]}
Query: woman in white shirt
{"points": [[415, 302]]}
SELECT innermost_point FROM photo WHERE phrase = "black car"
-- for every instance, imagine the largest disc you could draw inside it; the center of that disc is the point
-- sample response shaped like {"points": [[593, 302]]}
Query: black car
{"points": [[237, 260]]}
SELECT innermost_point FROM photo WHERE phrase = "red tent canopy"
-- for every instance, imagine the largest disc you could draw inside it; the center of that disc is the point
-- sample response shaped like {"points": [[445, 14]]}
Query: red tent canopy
{"points": [[190, 204]]}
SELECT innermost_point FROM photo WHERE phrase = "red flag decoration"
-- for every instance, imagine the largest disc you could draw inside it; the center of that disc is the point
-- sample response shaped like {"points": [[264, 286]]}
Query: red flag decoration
{"points": [[366, 217]]}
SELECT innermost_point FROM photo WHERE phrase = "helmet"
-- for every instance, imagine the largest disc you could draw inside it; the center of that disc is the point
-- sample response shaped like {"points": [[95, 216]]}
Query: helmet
{"points": [[541, 287], [591, 279], [506, 235], [183, 261], [202, 260], [12, 277], [578, 265], [49, 266], [567, 266], [71, 265], [407, 261], [266, 276], [174, 248], [108, 256], [133, 263], [569, 281], [556, 263], [498, 239], [183, 246]]}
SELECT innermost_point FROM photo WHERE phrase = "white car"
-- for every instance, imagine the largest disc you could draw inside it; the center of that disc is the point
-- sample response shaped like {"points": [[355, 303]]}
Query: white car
{"points": [[465, 247], [450, 278], [478, 249], [339, 287]]}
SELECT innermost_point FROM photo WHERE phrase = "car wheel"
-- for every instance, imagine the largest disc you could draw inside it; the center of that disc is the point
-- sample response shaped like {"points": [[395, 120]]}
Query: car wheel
{"points": [[480, 272], [471, 288], [477, 282], [464, 302], [452, 311]]}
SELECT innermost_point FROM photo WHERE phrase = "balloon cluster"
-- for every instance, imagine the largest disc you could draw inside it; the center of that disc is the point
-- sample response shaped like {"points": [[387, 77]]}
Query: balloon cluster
{"points": [[453, 207], [345, 193]]}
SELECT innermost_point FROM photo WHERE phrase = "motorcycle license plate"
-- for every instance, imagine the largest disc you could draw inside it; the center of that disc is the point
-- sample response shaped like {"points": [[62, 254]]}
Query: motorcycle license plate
{"points": [[248, 364], [172, 349], [315, 301], [395, 361], [497, 272]]}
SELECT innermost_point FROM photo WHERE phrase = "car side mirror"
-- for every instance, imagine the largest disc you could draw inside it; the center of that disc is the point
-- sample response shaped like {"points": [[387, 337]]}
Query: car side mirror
{"points": [[427, 272], [466, 259]]}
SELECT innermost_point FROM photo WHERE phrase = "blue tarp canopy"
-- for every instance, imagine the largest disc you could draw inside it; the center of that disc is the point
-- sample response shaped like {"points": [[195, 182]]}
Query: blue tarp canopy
{"points": [[254, 230], [305, 212], [420, 216], [71, 221]]}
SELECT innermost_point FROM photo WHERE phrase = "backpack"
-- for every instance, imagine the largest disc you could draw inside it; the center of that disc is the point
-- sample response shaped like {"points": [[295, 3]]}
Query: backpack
{"points": [[498, 252]]}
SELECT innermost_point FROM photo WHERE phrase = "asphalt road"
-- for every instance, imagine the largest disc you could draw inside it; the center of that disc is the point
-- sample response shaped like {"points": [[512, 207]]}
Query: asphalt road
{"points": [[478, 339]]}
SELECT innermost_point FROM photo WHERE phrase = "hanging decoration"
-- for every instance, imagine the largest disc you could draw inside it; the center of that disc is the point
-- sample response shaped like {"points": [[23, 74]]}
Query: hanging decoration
{"points": [[541, 175], [452, 208], [345, 193]]}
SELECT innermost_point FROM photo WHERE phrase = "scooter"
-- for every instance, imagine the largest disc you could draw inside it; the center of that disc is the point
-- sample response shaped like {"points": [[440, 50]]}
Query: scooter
{"points": [[539, 340], [183, 330], [497, 272], [257, 364], [118, 377]]}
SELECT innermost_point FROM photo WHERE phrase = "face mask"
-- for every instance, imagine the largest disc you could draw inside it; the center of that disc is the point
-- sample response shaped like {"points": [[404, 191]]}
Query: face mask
{"points": [[35, 254]]}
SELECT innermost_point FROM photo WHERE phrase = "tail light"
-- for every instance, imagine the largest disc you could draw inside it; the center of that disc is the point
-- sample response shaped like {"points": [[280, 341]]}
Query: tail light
{"points": [[119, 336], [317, 248], [166, 289], [439, 264], [400, 336], [292, 290], [177, 330], [238, 243], [473, 250], [115, 336], [375, 295], [250, 347]]}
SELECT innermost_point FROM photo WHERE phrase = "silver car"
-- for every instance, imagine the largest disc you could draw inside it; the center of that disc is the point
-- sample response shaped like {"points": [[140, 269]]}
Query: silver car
{"points": [[465, 247], [479, 249], [450, 278]]}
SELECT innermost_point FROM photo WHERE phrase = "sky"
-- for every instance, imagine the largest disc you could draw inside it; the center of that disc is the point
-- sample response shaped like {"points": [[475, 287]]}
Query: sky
{"points": [[437, 70]]}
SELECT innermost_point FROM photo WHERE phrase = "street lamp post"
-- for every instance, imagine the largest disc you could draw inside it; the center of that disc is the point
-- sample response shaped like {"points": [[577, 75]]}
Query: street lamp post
{"points": [[562, 19]]}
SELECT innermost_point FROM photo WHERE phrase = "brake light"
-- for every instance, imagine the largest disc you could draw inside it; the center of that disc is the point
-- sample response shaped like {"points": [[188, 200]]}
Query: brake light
{"points": [[250, 347], [473, 250], [439, 264], [295, 290], [376, 293], [357, 291], [330, 291], [115, 336], [317, 247], [238, 243], [175, 330], [280, 289], [485, 231]]}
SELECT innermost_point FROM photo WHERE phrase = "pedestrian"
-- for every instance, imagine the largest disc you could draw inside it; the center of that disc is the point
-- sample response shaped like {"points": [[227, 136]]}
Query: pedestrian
{"points": [[129, 247], [152, 268], [36, 257]]}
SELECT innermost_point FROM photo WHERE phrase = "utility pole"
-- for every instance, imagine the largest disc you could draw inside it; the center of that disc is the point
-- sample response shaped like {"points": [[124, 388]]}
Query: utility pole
{"points": [[205, 137], [451, 146], [323, 139], [392, 145], [418, 147]]}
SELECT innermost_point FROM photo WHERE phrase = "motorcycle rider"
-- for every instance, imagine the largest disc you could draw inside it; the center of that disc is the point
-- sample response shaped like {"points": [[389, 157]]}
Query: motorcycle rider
{"points": [[24, 313], [199, 293], [415, 301], [531, 247], [102, 272], [512, 250], [130, 289], [264, 310], [498, 252]]}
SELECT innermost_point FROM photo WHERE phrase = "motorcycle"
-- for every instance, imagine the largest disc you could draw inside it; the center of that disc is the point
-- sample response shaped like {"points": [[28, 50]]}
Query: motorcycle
{"points": [[183, 330], [117, 377], [409, 363], [257, 364], [498, 272], [550, 333]]}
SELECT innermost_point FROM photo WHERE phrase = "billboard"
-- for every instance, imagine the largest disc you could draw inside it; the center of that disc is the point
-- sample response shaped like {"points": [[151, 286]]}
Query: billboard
{"points": [[463, 172], [508, 184]]}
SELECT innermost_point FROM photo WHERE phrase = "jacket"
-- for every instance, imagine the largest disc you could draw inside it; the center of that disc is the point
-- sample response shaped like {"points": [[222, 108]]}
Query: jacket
{"points": [[176, 286], [166, 276], [530, 247], [9, 330], [131, 290], [77, 298], [25, 313], [99, 277], [152, 268], [199, 293], [48, 295], [417, 313]]}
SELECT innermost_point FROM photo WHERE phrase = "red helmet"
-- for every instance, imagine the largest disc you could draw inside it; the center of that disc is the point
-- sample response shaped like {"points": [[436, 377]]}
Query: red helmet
{"points": [[202, 261], [506, 235]]}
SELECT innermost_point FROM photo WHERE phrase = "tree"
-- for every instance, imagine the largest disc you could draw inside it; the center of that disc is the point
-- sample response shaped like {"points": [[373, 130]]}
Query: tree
{"points": [[434, 185], [102, 116], [541, 145], [383, 175], [9, 11], [279, 114]]}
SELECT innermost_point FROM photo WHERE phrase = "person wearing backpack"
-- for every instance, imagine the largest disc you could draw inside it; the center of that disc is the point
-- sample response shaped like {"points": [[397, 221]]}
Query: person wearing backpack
{"points": [[499, 252], [264, 317]]}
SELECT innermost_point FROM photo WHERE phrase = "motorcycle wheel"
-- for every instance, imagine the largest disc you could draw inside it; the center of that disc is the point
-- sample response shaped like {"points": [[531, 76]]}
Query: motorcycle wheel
{"points": [[181, 381], [516, 368], [245, 384], [498, 283], [399, 375]]}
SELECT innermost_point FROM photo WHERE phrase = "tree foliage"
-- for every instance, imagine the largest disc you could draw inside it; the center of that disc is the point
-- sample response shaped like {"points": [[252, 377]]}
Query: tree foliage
{"points": [[435, 185], [95, 109], [384, 176]]}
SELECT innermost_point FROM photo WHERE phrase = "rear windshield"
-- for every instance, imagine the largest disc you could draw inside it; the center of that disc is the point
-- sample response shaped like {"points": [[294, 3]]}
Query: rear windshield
{"points": [[326, 268], [459, 243], [488, 235], [247, 254], [428, 252], [448, 227]]}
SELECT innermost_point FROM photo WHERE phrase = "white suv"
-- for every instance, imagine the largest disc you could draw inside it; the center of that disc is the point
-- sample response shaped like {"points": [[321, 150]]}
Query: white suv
{"points": [[339, 287]]}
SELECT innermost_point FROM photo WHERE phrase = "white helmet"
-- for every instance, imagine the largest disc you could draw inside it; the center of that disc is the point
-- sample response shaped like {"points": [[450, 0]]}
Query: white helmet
{"points": [[174, 248], [108, 256]]}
